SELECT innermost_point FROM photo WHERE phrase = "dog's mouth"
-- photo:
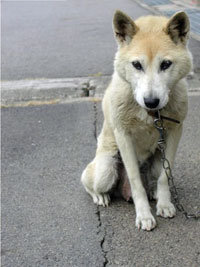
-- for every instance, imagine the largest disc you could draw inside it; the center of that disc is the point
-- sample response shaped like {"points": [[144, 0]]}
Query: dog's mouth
{"points": [[154, 109], [152, 112]]}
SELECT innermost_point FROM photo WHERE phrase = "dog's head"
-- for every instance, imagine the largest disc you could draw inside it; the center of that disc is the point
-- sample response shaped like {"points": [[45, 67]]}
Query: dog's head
{"points": [[152, 55]]}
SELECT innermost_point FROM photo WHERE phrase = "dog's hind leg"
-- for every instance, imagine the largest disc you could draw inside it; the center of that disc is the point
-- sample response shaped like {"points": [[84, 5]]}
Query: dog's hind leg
{"points": [[99, 177], [101, 174], [87, 180]]}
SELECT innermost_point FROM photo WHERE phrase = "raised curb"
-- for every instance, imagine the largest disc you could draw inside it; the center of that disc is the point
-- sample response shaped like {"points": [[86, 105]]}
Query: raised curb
{"points": [[56, 90], [13, 92]]}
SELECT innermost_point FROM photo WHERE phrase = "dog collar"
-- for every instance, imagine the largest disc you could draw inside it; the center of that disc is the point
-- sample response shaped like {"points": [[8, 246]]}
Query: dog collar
{"points": [[156, 115]]}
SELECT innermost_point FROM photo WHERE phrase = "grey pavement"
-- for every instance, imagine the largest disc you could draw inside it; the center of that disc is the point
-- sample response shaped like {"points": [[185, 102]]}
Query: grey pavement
{"points": [[60, 39], [47, 217], [64, 39], [49, 220]]}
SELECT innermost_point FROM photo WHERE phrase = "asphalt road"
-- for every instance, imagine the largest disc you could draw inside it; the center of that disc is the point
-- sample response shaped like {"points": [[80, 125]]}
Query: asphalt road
{"points": [[60, 39], [47, 217], [49, 220]]}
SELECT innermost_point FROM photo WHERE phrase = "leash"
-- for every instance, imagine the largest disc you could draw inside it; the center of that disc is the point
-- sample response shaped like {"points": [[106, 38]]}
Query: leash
{"points": [[158, 124]]}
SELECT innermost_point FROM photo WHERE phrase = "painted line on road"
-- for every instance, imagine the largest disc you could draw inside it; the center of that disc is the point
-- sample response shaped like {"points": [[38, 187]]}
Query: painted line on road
{"points": [[95, 99], [53, 102]]}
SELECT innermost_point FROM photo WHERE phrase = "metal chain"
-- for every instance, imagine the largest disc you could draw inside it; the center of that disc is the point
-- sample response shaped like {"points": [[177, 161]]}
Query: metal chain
{"points": [[158, 124]]}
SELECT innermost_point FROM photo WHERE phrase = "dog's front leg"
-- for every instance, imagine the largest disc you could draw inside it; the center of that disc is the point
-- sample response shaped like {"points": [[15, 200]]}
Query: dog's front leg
{"points": [[144, 218], [164, 206]]}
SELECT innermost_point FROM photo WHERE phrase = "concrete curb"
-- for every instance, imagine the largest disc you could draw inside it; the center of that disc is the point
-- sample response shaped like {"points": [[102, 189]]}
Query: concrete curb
{"points": [[51, 90]]}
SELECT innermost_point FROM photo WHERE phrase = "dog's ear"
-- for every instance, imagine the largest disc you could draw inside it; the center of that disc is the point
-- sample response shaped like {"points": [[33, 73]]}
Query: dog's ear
{"points": [[124, 27], [178, 27]]}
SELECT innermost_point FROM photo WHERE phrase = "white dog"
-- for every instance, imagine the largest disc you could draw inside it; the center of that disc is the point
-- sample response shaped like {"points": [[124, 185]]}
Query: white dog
{"points": [[150, 66]]}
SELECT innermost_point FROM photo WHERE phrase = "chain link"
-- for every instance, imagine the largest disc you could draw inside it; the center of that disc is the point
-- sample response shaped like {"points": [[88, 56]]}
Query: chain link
{"points": [[158, 124]]}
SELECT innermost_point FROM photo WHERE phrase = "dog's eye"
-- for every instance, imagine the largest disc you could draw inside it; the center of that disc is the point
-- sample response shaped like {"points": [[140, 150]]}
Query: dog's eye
{"points": [[137, 65], [165, 65]]}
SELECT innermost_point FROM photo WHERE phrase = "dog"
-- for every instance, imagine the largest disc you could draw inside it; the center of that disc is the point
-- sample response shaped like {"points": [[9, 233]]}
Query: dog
{"points": [[149, 70]]}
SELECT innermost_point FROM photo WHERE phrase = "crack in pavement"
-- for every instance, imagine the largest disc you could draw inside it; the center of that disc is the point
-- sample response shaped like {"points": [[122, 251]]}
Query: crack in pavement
{"points": [[100, 231], [95, 120]]}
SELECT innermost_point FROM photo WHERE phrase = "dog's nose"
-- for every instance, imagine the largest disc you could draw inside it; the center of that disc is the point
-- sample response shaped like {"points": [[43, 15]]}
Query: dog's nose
{"points": [[151, 102]]}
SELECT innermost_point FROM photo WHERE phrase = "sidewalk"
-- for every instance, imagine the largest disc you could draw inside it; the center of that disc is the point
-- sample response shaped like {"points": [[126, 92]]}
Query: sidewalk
{"points": [[169, 7]]}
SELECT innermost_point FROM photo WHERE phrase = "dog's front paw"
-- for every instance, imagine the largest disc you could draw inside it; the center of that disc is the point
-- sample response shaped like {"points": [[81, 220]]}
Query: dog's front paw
{"points": [[145, 221], [166, 209]]}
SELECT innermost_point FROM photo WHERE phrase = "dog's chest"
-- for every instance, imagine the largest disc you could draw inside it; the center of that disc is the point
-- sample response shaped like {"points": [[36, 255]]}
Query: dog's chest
{"points": [[145, 140]]}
